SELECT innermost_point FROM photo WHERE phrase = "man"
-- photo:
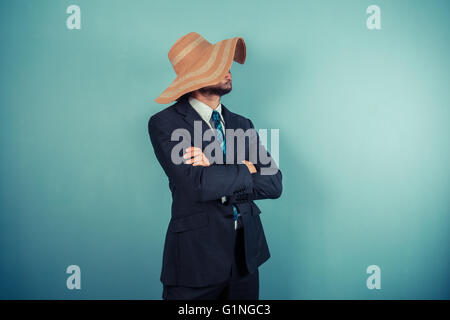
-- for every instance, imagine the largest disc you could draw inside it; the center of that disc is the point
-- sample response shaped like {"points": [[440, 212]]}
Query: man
{"points": [[215, 241]]}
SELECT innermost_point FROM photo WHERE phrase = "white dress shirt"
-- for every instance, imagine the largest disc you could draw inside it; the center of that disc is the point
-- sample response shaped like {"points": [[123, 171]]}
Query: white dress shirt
{"points": [[206, 111]]}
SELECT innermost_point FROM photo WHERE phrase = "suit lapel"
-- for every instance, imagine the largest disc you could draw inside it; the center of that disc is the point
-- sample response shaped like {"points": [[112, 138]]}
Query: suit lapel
{"points": [[230, 122], [190, 116]]}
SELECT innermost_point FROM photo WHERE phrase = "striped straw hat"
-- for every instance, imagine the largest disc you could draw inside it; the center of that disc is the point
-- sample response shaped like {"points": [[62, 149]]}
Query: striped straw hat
{"points": [[198, 63]]}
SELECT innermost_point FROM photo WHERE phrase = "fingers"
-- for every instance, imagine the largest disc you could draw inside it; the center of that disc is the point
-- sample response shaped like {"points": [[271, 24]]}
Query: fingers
{"points": [[198, 158], [195, 157], [202, 162], [192, 148], [192, 152], [251, 167]]}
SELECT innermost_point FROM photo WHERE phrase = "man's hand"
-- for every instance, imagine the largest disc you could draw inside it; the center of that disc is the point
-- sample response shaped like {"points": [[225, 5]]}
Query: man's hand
{"points": [[251, 167], [195, 157]]}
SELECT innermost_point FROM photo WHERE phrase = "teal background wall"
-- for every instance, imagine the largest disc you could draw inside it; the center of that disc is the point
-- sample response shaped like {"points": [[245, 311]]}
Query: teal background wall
{"points": [[364, 143]]}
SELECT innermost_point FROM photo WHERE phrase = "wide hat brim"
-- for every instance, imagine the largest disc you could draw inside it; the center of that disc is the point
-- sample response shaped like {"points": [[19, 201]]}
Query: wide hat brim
{"points": [[208, 70]]}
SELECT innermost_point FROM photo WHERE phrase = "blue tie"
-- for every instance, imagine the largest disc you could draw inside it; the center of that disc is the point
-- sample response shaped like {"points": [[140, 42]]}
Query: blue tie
{"points": [[221, 140]]}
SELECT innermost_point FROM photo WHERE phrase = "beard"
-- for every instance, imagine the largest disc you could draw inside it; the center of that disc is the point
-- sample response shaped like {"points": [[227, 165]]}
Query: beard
{"points": [[218, 89]]}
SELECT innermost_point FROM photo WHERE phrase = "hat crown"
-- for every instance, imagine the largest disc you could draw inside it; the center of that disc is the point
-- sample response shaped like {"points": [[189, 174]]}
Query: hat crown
{"points": [[187, 50]]}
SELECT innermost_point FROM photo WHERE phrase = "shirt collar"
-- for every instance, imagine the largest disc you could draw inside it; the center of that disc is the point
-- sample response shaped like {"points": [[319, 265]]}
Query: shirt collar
{"points": [[204, 110]]}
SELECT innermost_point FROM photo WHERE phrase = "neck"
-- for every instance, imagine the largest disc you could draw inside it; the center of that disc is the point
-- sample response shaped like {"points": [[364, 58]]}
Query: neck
{"points": [[212, 101]]}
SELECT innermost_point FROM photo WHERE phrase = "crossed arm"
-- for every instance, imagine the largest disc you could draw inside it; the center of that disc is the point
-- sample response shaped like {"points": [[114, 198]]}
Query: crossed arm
{"points": [[264, 186], [205, 182]]}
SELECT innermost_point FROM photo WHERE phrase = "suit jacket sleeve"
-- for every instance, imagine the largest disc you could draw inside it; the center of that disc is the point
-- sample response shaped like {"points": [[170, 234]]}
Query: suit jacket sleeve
{"points": [[201, 183], [265, 186]]}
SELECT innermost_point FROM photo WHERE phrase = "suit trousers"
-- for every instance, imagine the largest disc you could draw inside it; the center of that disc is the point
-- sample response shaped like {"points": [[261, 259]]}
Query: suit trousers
{"points": [[241, 285]]}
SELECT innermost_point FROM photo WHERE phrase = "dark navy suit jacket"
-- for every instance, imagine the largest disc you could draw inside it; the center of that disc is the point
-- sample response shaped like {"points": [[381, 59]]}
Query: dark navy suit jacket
{"points": [[198, 245]]}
